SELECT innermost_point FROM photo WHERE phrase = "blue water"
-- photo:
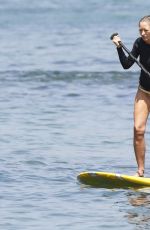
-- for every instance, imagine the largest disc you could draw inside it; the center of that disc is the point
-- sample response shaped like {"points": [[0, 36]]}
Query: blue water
{"points": [[66, 106]]}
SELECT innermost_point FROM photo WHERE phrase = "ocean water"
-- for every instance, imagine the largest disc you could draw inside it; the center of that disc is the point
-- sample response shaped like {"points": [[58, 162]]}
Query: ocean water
{"points": [[66, 106]]}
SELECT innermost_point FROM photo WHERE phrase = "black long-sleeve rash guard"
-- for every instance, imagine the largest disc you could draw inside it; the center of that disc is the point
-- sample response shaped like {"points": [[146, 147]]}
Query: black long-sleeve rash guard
{"points": [[141, 49]]}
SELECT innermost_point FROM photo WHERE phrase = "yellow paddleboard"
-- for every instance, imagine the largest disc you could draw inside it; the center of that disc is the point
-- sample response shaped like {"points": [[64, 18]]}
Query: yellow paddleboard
{"points": [[112, 180]]}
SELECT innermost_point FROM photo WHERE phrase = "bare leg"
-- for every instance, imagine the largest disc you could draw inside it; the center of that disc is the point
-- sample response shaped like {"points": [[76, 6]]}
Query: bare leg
{"points": [[141, 112]]}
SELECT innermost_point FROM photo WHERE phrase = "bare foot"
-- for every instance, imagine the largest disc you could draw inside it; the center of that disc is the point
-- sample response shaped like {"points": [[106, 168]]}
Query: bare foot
{"points": [[139, 173]]}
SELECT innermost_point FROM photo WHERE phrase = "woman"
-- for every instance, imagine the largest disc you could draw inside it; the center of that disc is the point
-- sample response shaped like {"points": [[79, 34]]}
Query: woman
{"points": [[140, 48]]}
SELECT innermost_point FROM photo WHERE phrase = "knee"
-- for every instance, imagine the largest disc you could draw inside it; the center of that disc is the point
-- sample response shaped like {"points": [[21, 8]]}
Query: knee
{"points": [[139, 131]]}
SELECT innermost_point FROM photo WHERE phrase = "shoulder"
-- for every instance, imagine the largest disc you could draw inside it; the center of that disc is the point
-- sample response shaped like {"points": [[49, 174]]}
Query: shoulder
{"points": [[139, 45], [138, 42]]}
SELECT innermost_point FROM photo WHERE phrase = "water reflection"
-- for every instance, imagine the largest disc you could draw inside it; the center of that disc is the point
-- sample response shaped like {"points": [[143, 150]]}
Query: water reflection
{"points": [[139, 215]]}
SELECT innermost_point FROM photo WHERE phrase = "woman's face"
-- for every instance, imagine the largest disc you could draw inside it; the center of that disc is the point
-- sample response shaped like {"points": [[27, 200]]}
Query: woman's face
{"points": [[144, 29]]}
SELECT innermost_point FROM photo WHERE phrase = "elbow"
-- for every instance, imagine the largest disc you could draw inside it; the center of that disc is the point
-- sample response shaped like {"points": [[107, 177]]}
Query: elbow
{"points": [[125, 66]]}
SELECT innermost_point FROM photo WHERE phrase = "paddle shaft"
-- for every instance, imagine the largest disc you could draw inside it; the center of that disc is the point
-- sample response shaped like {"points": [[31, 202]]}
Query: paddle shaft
{"points": [[131, 55]]}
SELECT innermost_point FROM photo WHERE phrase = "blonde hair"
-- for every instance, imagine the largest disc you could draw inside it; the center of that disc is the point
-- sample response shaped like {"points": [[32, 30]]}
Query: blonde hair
{"points": [[145, 19]]}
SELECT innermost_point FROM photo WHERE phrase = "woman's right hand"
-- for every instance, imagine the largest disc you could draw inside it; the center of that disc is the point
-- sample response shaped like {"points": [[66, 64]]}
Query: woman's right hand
{"points": [[116, 40]]}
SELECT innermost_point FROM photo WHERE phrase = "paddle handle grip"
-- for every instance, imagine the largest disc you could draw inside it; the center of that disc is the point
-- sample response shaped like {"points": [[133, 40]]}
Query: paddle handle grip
{"points": [[112, 36]]}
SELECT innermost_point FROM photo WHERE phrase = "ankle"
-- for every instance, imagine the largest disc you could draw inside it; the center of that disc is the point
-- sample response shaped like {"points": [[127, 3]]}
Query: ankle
{"points": [[140, 172]]}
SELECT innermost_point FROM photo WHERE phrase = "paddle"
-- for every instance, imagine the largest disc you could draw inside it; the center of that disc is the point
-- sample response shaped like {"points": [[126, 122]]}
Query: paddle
{"points": [[131, 55]]}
